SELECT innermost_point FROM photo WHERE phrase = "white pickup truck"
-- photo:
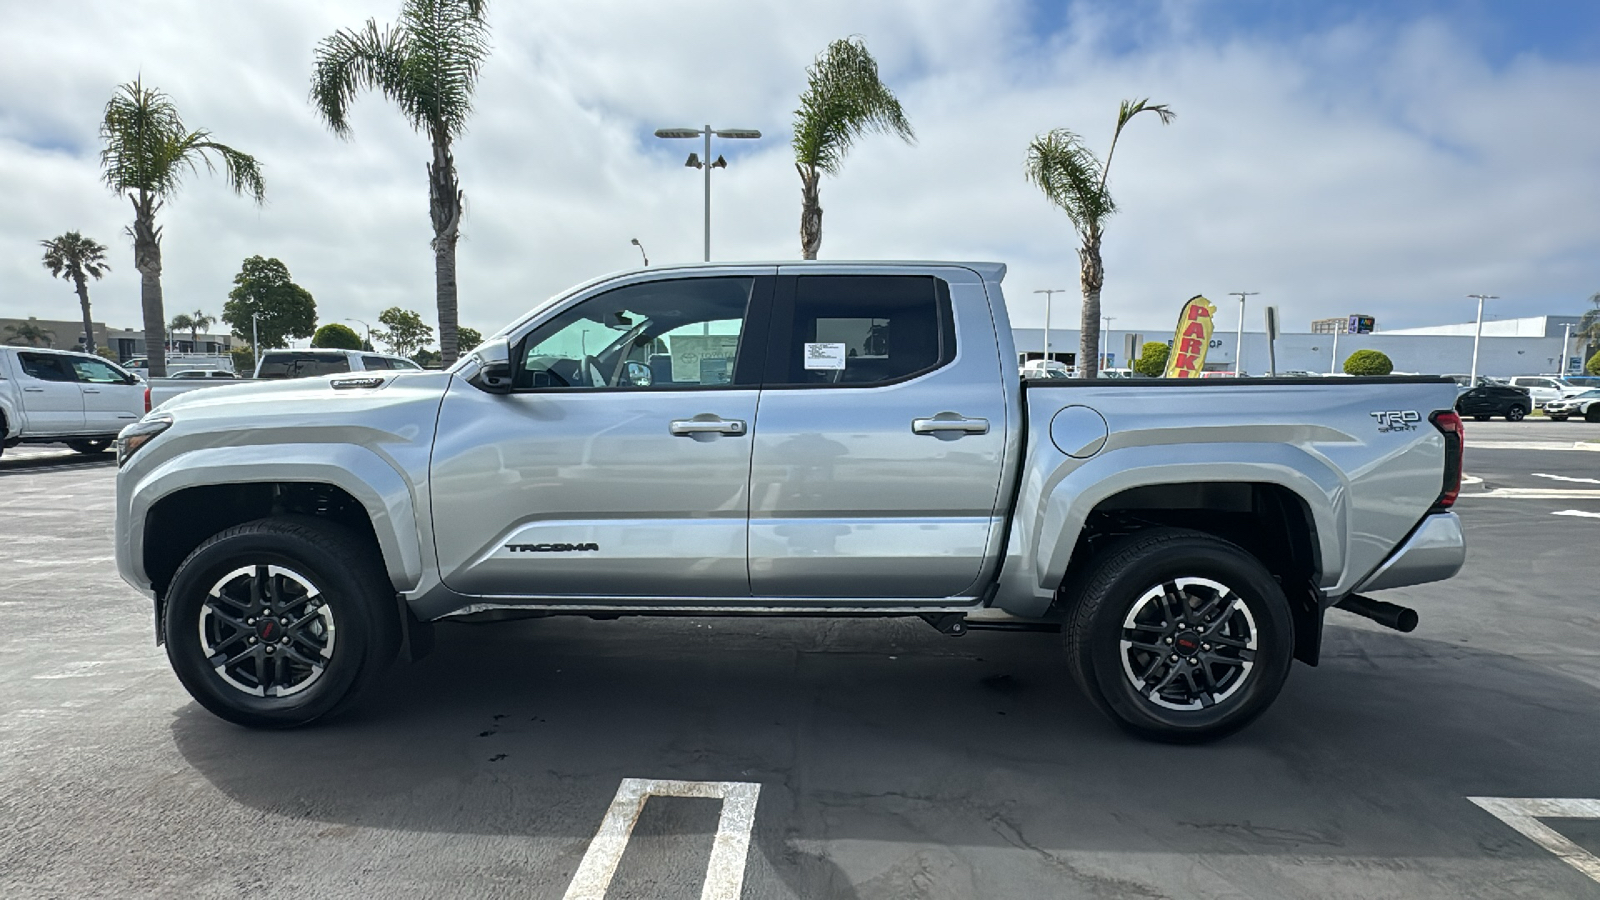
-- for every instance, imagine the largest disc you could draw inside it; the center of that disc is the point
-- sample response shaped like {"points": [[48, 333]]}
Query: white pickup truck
{"points": [[57, 396], [814, 439]]}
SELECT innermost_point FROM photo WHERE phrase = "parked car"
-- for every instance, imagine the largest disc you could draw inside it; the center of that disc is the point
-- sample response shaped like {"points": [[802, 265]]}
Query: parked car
{"points": [[323, 361], [805, 439], [1583, 381], [1486, 401], [58, 396], [1544, 388], [1586, 405]]}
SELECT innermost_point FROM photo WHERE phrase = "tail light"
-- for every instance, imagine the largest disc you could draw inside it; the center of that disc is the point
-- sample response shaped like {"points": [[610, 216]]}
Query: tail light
{"points": [[1449, 424], [147, 398]]}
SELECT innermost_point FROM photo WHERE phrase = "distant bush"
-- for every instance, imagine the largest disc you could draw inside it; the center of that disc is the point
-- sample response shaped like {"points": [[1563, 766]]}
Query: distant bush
{"points": [[1368, 362], [244, 361], [1593, 365], [1152, 359], [337, 337]]}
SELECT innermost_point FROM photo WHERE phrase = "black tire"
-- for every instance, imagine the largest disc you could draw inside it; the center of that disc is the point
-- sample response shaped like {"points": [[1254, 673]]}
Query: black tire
{"points": [[1593, 414], [1558, 418], [1118, 589], [97, 445], [350, 625], [1515, 413]]}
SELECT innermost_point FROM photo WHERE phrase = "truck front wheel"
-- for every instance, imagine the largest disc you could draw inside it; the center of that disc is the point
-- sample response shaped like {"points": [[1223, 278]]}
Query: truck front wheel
{"points": [[1179, 636], [278, 622]]}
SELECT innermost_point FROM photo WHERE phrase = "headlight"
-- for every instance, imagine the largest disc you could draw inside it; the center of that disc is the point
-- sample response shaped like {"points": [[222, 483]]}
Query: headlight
{"points": [[139, 433]]}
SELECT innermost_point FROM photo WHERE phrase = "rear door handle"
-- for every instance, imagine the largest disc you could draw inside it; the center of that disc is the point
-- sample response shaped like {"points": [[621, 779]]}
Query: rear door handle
{"points": [[950, 422], [34, 390], [91, 390], [706, 424]]}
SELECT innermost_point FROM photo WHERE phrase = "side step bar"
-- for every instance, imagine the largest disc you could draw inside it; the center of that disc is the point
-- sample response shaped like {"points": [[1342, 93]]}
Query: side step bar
{"points": [[1389, 615]]}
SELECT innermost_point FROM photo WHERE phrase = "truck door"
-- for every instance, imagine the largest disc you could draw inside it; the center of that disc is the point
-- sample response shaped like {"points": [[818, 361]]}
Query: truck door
{"points": [[880, 439], [111, 400], [51, 400], [619, 465]]}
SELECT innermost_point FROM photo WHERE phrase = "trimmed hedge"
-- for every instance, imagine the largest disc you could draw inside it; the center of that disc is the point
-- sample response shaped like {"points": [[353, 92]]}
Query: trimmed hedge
{"points": [[1368, 362]]}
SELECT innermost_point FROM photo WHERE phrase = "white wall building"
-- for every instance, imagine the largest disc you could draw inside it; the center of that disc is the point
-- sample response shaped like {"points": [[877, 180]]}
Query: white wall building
{"points": [[1531, 346]]}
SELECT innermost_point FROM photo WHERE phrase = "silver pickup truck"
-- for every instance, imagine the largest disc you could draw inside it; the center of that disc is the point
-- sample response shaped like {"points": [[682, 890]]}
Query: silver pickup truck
{"points": [[816, 439]]}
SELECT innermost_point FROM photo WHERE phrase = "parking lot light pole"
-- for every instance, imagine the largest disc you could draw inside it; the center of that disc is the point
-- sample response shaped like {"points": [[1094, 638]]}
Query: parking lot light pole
{"points": [[706, 165], [1238, 340], [363, 324], [1477, 333], [1049, 294]]}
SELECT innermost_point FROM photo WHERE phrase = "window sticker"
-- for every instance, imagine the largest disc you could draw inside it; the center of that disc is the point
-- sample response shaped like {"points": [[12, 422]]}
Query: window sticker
{"points": [[824, 356], [702, 358]]}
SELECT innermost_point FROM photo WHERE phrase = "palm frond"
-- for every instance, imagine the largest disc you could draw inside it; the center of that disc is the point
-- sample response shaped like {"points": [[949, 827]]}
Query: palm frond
{"points": [[243, 170], [844, 99], [72, 254], [138, 128], [1069, 175], [1125, 113], [348, 61], [445, 44]]}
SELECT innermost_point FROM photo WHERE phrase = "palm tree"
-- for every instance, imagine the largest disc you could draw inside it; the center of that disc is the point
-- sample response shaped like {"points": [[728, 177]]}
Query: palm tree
{"points": [[79, 258], [1072, 178], [428, 65], [147, 152], [843, 100], [1589, 324], [30, 334], [194, 323]]}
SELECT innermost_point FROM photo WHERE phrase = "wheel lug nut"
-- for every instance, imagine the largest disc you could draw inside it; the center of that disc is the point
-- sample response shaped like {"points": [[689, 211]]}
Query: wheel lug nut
{"points": [[1172, 658], [1169, 640], [269, 649], [284, 641], [284, 620], [1205, 646], [1193, 661], [252, 640], [249, 621]]}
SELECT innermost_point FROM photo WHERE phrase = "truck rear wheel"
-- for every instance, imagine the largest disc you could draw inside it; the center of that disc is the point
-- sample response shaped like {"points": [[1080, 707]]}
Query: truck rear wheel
{"points": [[278, 622], [1179, 636]]}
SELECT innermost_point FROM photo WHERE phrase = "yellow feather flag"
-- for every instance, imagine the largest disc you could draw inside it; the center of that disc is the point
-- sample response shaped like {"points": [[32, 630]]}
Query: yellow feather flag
{"points": [[1192, 339]]}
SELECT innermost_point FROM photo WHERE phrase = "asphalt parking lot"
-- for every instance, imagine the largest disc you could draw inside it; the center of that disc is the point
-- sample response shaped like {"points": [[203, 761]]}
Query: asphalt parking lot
{"points": [[889, 761]]}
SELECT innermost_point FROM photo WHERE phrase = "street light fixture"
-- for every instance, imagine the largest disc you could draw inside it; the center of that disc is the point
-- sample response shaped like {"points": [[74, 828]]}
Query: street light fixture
{"points": [[635, 242], [1476, 334], [695, 160]]}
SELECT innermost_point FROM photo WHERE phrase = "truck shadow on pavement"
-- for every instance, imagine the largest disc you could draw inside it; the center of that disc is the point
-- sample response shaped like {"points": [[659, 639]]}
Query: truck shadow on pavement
{"points": [[889, 733]]}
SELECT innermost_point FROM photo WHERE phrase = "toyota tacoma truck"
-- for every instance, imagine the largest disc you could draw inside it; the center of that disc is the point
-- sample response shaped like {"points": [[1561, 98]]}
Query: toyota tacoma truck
{"points": [[812, 439]]}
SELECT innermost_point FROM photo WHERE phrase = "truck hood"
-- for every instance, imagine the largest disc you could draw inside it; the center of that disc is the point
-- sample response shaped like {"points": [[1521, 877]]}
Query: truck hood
{"points": [[325, 392]]}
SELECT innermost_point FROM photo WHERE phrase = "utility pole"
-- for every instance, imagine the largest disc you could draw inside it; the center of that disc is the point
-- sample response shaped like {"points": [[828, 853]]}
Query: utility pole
{"points": [[1566, 341], [1238, 340], [1477, 334], [1105, 343], [1049, 294]]}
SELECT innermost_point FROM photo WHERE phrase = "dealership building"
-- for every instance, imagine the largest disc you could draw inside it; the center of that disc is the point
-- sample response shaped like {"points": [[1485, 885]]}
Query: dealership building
{"points": [[1536, 345]]}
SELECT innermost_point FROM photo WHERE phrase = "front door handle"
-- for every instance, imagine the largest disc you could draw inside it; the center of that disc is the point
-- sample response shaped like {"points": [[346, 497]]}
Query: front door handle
{"points": [[948, 422], [91, 390], [706, 424], [34, 390]]}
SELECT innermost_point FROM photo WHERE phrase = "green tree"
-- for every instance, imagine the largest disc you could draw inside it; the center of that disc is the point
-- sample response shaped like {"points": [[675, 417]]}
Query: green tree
{"points": [[244, 360], [426, 359], [75, 257], [1152, 359], [843, 100], [337, 336], [194, 323], [263, 288], [407, 332], [147, 152], [428, 65], [1593, 365], [1071, 177], [1368, 362], [468, 338], [30, 334], [1589, 325]]}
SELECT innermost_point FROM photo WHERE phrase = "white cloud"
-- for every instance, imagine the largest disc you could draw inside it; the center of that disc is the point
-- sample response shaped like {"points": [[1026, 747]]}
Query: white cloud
{"points": [[1361, 169]]}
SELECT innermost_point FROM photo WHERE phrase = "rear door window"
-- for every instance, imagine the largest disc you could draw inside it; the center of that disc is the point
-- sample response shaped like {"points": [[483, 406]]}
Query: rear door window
{"points": [[860, 330], [46, 367], [372, 363], [323, 365], [276, 365]]}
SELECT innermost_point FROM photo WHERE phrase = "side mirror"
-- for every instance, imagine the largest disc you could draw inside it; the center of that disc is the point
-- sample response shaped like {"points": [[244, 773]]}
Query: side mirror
{"points": [[638, 374], [494, 367]]}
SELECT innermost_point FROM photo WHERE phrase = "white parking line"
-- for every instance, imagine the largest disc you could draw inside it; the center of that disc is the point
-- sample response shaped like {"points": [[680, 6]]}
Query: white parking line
{"points": [[1567, 478], [1524, 813], [1577, 512], [1541, 493], [724, 872]]}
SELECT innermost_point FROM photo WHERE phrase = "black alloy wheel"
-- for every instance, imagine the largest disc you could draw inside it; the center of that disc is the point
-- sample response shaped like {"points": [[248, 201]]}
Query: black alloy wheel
{"points": [[96, 445], [1179, 636], [281, 621], [1593, 413], [1516, 413]]}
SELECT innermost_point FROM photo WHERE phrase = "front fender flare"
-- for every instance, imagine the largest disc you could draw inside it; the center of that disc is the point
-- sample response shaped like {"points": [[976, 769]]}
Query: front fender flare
{"points": [[374, 482]]}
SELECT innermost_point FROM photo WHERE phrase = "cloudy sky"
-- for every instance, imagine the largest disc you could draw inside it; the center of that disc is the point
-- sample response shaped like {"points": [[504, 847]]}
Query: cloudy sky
{"points": [[1378, 157]]}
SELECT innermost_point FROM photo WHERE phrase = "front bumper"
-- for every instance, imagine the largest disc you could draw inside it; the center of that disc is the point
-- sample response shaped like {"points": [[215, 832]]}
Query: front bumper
{"points": [[1433, 552]]}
